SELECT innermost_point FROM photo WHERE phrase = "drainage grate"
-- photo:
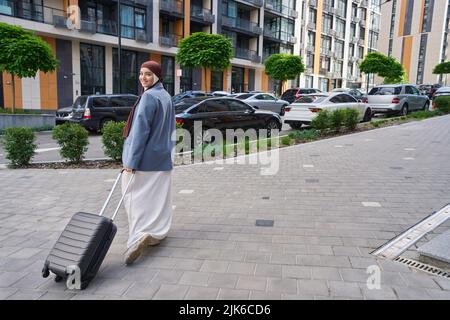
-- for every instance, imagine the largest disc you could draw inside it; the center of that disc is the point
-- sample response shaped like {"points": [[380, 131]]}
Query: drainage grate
{"points": [[264, 223], [265, 198], [423, 267], [401, 243]]}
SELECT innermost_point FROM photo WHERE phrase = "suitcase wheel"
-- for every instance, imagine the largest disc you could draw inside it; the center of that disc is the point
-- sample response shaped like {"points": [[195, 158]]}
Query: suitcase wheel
{"points": [[58, 278], [45, 272]]}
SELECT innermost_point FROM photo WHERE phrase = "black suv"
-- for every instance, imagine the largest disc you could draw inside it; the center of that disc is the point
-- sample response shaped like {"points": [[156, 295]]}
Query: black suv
{"points": [[92, 112]]}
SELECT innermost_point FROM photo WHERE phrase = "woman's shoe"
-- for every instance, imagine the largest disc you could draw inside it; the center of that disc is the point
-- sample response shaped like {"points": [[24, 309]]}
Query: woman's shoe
{"points": [[135, 251]]}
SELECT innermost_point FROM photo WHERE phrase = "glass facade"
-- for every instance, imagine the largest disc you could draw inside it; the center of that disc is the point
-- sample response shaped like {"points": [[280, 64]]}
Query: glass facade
{"points": [[168, 73], [216, 80], [92, 63], [129, 73]]}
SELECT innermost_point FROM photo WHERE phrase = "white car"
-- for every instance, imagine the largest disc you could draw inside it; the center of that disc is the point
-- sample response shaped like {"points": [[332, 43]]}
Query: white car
{"points": [[305, 109]]}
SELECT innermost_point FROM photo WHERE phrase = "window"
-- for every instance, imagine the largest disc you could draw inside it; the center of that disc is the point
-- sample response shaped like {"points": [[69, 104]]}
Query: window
{"points": [[131, 18], [244, 96], [100, 102], [92, 63], [268, 97], [237, 106], [259, 97], [216, 80], [311, 99], [385, 91], [214, 106], [347, 98], [168, 73], [129, 72], [327, 23], [337, 99]]}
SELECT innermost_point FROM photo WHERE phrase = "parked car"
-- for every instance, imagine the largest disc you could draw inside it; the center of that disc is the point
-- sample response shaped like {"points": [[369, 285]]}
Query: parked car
{"points": [[396, 99], [190, 94], [182, 105], [264, 101], [62, 114], [220, 94], [305, 109], [431, 89], [225, 113], [93, 111], [290, 95], [356, 93], [442, 91]]}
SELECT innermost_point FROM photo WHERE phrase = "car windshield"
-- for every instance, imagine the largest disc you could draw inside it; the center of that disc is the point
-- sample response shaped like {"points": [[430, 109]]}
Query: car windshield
{"points": [[244, 96], [385, 91], [79, 102], [311, 99]]}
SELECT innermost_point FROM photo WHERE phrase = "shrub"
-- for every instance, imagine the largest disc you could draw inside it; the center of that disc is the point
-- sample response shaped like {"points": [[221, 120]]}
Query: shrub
{"points": [[322, 121], [73, 140], [112, 139], [337, 118], [19, 146], [309, 134], [442, 103], [351, 119], [286, 141]]}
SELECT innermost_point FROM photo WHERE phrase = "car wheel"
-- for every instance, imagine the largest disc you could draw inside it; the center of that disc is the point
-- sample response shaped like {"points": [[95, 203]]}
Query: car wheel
{"points": [[296, 125], [271, 125], [202, 138], [426, 107], [404, 111], [367, 115], [103, 123]]}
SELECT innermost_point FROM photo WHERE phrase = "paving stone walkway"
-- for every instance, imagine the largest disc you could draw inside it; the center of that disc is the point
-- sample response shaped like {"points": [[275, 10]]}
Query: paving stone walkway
{"points": [[332, 203]]}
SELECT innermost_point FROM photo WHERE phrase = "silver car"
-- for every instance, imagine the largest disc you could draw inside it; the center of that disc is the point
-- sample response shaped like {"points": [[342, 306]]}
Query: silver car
{"points": [[396, 99], [264, 101]]}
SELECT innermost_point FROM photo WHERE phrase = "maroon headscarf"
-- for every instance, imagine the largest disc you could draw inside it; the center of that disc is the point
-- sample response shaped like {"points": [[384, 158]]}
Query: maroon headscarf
{"points": [[156, 69]]}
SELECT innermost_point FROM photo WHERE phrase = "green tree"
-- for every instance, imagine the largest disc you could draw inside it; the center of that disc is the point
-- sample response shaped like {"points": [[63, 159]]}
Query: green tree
{"points": [[384, 66], [203, 50], [283, 67], [442, 68], [23, 54]]}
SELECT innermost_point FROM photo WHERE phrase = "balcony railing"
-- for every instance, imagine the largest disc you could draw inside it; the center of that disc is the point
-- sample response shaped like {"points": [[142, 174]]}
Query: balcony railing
{"points": [[312, 25], [172, 6], [325, 51], [257, 3], [169, 40], [203, 14], [247, 54], [36, 13], [279, 35], [280, 8], [313, 3], [242, 24]]}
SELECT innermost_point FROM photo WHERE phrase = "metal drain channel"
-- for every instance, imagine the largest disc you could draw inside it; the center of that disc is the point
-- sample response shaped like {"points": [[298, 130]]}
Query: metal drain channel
{"points": [[423, 267], [398, 245]]}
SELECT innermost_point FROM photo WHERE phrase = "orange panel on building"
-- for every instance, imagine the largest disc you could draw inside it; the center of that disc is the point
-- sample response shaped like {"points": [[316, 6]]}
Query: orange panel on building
{"points": [[264, 82], [155, 57], [407, 51], [206, 83], [225, 80], [7, 91], [48, 83], [187, 18]]}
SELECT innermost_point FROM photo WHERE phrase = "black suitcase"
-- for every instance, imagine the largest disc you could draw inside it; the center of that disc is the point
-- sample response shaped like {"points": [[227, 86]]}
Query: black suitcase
{"points": [[83, 245]]}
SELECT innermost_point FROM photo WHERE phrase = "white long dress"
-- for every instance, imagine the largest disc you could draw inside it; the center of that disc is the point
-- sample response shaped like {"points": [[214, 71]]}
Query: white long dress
{"points": [[148, 203]]}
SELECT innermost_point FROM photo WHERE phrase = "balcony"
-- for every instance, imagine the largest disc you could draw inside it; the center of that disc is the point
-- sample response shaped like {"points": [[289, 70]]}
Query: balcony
{"points": [[256, 3], [141, 36], [88, 26], [309, 70], [172, 7], [328, 8], [355, 19], [363, 4], [362, 23], [36, 13], [169, 40], [312, 25], [325, 51], [279, 8], [247, 54], [310, 48], [339, 12], [323, 71], [279, 35], [204, 15], [313, 3], [362, 42], [242, 25], [141, 2]]}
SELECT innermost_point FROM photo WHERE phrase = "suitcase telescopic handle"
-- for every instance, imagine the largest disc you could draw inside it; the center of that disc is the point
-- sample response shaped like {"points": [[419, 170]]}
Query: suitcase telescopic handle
{"points": [[112, 191]]}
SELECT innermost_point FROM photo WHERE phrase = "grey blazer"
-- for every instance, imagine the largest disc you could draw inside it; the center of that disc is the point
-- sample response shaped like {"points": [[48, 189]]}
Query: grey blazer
{"points": [[149, 144]]}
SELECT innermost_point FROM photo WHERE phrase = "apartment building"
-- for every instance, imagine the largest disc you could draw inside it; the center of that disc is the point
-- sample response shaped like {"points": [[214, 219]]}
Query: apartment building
{"points": [[335, 35], [84, 38], [416, 34]]}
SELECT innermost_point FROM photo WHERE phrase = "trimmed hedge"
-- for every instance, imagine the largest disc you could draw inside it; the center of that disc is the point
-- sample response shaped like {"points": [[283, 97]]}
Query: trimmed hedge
{"points": [[336, 119], [19, 146], [73, 140], [351, 119], [442, 103], [112, 138]]}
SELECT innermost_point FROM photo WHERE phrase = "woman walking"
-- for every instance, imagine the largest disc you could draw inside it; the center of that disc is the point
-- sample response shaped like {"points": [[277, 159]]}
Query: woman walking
{"points": [[147, 152]]}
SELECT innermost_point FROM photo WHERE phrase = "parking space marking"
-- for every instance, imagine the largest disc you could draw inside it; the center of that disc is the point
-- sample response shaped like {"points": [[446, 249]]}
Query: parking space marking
{"points": [[409, 159], [47, 149], [308, 166], [186, 191], [371, 204], [110, 180], [410, 149], [338, 146], [218, 168]]}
